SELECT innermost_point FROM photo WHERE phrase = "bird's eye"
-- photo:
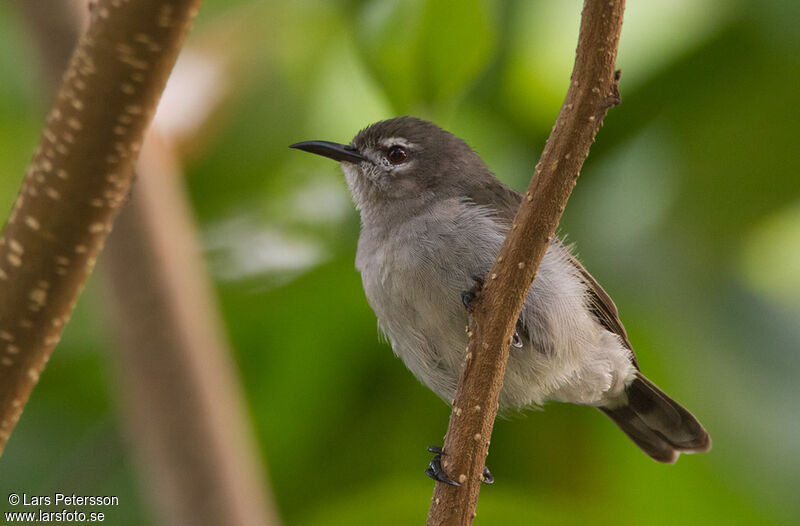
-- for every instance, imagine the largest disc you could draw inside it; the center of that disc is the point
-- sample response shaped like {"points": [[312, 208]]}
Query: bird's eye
{"points": [[396, 154]]}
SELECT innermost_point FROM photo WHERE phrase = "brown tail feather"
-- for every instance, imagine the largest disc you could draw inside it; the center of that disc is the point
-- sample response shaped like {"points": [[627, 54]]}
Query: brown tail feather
{"points": [[661, 427]]}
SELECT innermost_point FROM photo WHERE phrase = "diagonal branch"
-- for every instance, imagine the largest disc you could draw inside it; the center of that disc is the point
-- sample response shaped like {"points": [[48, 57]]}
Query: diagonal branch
{"points": [[592, 91], [182, 403], [77, 181]]}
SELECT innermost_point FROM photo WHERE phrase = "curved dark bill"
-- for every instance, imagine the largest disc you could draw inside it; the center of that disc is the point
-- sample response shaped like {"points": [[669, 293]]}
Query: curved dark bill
{"points": [[332, 150]]}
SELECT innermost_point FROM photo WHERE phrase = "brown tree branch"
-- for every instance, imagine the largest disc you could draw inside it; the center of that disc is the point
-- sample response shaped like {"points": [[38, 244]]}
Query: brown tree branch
{"points": [[592, 91], [184, 406], [55, 28], [77, 181]]}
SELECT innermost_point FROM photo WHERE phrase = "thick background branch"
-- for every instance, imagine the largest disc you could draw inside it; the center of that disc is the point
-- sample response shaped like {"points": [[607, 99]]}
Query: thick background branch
{"points": [[181, 394], [77, 181], [183, 407], [592, 91], [55, 28]]}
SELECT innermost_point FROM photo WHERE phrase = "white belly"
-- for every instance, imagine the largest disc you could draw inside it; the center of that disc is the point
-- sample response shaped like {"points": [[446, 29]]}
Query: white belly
{"points": [[417, 300]]}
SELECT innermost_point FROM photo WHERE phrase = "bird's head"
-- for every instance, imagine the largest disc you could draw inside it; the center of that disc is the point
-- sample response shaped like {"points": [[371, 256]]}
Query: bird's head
{"points": [[403, 162]]}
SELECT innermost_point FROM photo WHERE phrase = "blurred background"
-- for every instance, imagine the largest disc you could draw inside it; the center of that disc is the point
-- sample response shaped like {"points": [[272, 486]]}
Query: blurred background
{"points": [[687, 210]]}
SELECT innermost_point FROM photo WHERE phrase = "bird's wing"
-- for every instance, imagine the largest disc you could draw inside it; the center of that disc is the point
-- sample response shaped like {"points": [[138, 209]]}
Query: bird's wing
{"points": [[499, 198], [505, 202], [603, 308]]}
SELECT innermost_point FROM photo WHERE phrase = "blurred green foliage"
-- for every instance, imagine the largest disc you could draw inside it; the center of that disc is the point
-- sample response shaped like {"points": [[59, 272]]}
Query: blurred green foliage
{"points": [[687, 211]]}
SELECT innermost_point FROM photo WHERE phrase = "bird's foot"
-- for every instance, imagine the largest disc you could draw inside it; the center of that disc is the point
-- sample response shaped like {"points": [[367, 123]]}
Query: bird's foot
{"points": [[468, 296], [516, 339], [436, 472]]}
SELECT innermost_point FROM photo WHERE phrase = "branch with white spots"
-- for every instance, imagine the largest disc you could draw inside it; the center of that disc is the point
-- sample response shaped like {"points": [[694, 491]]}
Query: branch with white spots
{"points": [[181, 400], [79, 177], [592, 91]]}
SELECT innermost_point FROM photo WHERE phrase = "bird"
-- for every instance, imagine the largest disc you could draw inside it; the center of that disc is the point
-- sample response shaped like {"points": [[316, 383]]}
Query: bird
{"points": [[433, 219]]}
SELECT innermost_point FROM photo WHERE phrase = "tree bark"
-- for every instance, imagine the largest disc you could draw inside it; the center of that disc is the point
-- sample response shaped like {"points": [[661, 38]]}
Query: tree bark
{"points": [[183, 404], [181, 401], [592, 91], [79, 177]]}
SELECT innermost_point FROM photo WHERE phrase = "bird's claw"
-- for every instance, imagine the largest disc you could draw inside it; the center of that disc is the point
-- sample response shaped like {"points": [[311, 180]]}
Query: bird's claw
{"points": [[516, 340], [436, 472], [469, 295], [488, 478]]}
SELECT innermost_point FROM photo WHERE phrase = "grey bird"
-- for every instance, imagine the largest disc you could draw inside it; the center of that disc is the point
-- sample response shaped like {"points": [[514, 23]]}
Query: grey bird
{"points": [[433, 218]]}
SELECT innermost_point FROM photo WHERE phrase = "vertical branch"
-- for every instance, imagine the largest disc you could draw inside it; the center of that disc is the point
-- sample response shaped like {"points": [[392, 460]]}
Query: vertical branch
{"points": [[79, 177], [183, 404], [592, 91]]}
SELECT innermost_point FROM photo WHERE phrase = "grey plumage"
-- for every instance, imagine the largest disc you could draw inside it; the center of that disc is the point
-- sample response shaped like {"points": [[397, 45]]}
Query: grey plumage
{"points": [[433, 219]]}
